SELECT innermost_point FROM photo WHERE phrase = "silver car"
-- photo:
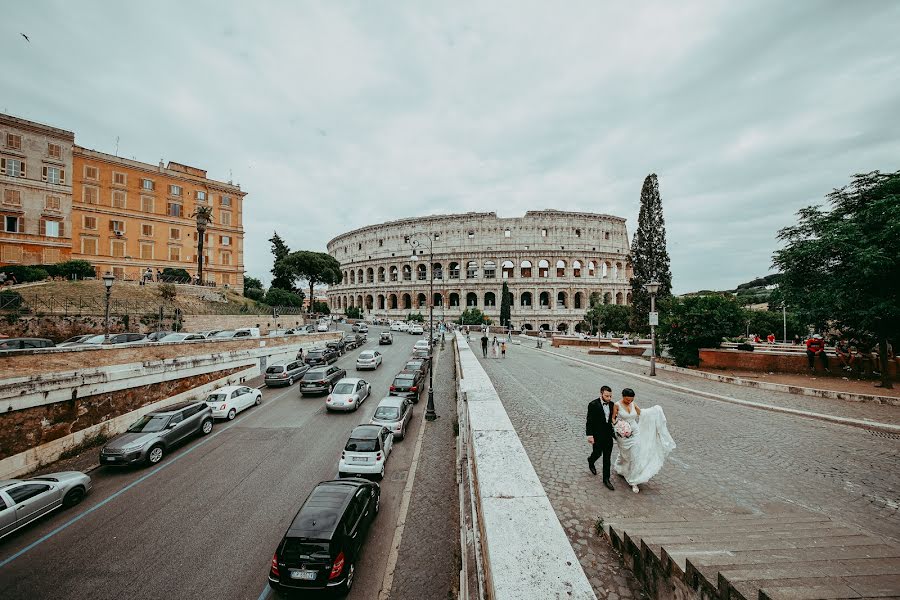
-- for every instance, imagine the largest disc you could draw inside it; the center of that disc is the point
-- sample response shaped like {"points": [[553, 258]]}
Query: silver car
{"points": [[23, 501], [285, 373], [368, 359], [394, 413], [348, 394]]}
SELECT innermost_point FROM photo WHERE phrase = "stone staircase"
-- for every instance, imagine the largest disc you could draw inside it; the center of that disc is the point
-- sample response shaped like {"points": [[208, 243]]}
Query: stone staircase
{"points": [[784, 555]]}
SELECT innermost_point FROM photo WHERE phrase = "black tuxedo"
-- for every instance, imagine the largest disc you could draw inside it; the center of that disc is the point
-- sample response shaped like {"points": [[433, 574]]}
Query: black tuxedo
{"points": [[600, 426]]}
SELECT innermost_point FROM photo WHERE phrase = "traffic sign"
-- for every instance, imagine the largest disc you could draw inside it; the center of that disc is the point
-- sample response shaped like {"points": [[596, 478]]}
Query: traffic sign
{"points": [[654, 318]]}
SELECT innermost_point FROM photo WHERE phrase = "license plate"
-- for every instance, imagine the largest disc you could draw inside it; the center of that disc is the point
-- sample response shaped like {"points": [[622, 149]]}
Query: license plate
{"points": [[360, 459], [304, 575]]}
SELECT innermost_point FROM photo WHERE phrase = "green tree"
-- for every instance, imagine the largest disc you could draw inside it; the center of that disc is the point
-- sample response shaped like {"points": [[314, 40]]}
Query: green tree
{"points": [[473, 316], [313, 267], [415, 317], [695, 322], [608, 317], [353, 312], [170, 275], [321, 308], [765, 322], [281, 278], [842, 266], [505, 306], [279, 297], [649, 257], [253, 289]]}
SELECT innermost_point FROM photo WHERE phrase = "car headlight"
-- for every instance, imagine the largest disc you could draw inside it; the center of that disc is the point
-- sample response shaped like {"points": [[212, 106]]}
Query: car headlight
{"points": [[133, 448]]}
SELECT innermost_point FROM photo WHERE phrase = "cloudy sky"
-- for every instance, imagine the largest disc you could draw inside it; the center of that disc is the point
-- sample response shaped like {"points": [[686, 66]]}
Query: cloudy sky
{"points": [[335, 115]]}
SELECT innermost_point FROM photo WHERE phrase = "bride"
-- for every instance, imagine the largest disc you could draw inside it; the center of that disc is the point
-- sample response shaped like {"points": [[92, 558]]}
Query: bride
{"points": [[642, 454]]}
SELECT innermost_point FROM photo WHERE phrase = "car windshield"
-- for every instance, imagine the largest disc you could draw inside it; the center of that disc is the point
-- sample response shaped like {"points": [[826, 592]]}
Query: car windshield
{"points": [[97, 339], [74, 339], [387, 413], [297, 549], [414, 365], [149, 424], [275, 369], [404, 380], [361, 445], [217, 398], [343, 388], [314, 376], [367, 356]]}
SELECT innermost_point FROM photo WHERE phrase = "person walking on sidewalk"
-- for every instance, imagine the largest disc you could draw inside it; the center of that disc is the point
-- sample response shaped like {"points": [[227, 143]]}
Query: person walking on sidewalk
{"points": [[484, 343], [599, 431]]}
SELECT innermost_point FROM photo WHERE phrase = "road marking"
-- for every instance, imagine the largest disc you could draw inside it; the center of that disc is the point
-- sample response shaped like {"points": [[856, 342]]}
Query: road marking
{"points": [[134, 483]]}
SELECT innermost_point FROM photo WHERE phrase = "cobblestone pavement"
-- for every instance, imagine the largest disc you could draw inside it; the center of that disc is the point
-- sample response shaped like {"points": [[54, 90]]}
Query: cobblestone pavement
{"points": [[428, 563], [729, 458]]}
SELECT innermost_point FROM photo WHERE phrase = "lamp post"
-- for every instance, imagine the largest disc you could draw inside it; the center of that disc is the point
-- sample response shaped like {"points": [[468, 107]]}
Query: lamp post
{"points": [[784, 320], [652, 287], [107, 281], [430, 415]]}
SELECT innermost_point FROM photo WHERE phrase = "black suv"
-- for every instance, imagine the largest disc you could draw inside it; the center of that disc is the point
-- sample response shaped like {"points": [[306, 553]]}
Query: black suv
{"points": [[323, 543], [408, 384], [320, 356], [337, 345], [321, 379]]}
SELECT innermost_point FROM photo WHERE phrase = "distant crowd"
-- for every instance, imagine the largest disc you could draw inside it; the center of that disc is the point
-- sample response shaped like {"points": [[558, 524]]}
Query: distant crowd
{"points": [[855, 355]]}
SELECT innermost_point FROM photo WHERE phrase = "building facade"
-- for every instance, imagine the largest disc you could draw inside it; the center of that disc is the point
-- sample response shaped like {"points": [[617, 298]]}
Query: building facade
{"points": [[35, 192], [552, 261], [129, 216]]}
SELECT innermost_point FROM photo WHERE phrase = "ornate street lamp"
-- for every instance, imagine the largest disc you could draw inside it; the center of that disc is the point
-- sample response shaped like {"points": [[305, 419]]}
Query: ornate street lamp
{"points": [[652, 288], [107, 281], [203, 214], [430, 415]]}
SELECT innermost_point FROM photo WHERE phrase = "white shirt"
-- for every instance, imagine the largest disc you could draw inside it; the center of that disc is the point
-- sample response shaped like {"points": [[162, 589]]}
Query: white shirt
{"points": [[605, 409]]}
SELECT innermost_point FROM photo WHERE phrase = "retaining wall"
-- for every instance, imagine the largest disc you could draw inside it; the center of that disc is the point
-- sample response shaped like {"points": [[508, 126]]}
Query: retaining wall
{"points": [[775, 362]]}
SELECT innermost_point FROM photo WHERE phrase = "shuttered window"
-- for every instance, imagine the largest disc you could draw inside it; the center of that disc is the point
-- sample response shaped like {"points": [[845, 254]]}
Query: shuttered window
{"points": [[54, 150], [13, 141], [12, 167], [12, 197], [90, 172], [52, 203], [89, 222], [50, 228], [119, 178], [89, 246], [90, 195], [147, 204], [117, 248], [11, 253], [118, 199], [147, 251], [53, 175]]}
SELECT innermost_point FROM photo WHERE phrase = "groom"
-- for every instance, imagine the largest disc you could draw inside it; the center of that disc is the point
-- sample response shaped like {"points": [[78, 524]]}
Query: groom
{"points": [[599, 432]]}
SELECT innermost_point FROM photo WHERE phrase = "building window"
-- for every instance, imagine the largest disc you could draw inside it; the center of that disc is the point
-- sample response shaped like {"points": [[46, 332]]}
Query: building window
{"points": [[201, 196], [146, 230], [117, 226], [90, 172], [174, 190], [174, 209], [577, 233], [11, 253], [12, 167], [13, 141], [543, 233], [471, 235], [148, 184], [50, 228], [118, 199], [12, 224], [225, 258], [147, 204], [54, 151], [225, 200], [89, 246], [53, 175], [147, 251], [507, 233], [225, 217], [605, 235], [225, 240], [117, 248], [226, 278], [89, 222], [89, 195], [12, 197], [52, 203], [51, 256], [119, 178], [175, 253], [174, 233]]}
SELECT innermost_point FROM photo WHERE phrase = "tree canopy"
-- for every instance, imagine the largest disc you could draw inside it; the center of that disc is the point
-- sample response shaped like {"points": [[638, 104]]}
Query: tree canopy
{"points": [[505, 305], [312, 267], [280, 277], [649, 256]]}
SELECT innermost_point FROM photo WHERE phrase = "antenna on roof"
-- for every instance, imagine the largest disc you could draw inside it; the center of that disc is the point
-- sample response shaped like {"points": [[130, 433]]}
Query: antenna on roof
{"points": [[117, 145], [229, 177]]}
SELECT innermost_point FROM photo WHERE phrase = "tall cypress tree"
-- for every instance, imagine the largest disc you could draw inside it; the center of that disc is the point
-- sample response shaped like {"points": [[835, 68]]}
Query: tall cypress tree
{"points": [[280, 277], [505, 312], [649, 257]]}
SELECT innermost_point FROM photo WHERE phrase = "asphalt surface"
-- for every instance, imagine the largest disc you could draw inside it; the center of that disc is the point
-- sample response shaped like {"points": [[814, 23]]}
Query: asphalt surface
{"points": [[206, 521]]}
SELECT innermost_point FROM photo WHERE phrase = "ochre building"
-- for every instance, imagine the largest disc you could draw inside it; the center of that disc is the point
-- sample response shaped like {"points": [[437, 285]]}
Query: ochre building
{"points": [[551, 260]]}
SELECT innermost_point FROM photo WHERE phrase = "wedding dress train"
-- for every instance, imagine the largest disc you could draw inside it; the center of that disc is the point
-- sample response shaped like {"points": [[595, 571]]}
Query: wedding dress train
{"points": [[642, 455]]}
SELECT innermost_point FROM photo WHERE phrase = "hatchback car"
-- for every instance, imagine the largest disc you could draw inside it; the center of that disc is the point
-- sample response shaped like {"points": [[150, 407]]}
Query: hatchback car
{"points": [[321, 356], [227, 402], [338, 346], [24, 501], [385, 338], [74, 341], [394, 413], [324, 541], [115, 338], [368, 359], [285, 373], [320, 380], [366, 452], [407, 384], [421, 345], [416, 329], [25, 343], [363, 328], [149, 438], [183, 337], [348, 394]]}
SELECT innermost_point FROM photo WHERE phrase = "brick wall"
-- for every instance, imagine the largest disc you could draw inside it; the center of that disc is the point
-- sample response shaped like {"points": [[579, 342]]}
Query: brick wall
{"points": [[766, 361], [265, 324]]}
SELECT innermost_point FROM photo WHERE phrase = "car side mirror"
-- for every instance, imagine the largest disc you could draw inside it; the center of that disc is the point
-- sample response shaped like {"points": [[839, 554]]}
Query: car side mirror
{"points": [[171, 425]]}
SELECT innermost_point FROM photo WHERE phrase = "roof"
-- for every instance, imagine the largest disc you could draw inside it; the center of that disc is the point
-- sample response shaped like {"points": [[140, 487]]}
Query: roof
{"points": [[396, 401], [227, 388], [349, 380], [366, 432], [174, 408], [320, 514], [406, 373], [8, 482]]}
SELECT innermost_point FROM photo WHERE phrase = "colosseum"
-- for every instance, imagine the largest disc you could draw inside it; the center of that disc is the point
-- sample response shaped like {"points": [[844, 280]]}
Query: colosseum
{"points": [[551, 260]]}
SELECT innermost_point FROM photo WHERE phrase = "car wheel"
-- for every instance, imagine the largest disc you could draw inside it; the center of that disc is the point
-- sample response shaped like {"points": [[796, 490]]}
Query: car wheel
{"points": [[207, 426], [231, 414], [73, 497], [155, 455], [258, 400]]}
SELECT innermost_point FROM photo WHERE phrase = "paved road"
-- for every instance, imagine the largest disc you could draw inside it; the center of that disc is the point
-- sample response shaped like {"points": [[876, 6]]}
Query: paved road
{"points": [[729, 459], [207, 520]]}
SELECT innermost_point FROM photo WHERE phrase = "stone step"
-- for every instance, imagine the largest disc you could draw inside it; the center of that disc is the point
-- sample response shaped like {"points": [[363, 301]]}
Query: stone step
{"points": [[743, 525], [726, 536]]}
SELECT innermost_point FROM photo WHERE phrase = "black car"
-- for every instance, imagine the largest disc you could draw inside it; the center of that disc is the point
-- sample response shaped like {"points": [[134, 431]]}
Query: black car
{"points": [[350, 341], [320, 380], [338, 346], [321, 356], [407, 384], [385, 338], [417, 365], [324, 541]]}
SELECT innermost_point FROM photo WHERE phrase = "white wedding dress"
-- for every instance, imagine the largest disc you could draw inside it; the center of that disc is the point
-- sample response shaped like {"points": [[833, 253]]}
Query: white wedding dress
{"points": [[642, 455]]}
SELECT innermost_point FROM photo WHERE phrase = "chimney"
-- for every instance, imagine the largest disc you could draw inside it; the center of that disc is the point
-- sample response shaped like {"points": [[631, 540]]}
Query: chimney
{"points": [[160, 165]]}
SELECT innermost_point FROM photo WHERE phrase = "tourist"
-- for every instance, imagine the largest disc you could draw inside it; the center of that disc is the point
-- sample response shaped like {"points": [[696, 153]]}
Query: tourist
{"points": [[842, 351], [643, 439], [494, 348], [876, 358], [815, 346], [796, 339], [484, 343], [599, 432], [756, 339], [503, 349], [770, 338]]}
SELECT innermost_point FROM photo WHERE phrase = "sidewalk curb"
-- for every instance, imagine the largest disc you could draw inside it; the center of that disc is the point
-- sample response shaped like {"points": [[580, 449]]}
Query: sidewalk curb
{"points": [[860, 423], [775, 387]]}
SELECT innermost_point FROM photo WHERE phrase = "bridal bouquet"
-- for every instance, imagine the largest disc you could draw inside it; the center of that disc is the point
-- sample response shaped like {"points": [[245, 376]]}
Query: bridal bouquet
{"points": [[623, 429]]}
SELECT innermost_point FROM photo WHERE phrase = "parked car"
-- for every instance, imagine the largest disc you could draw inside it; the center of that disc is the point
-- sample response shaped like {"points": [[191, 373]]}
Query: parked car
{"points": [[320, 380], [321, 356], [115, 338], [74, 341], [348, 394], [422, 355], [323, 543], [421, 345], [366, 452], [182, 337], [368, 359], [385, 338], [417, 365], [322, 327], [394, 413], [208, 334], [149, 438], [285, 373], [363, 328], [350, 341], [244, 332], [227, 402], [354, 327], [398, 326], [25, 343], [338, 346], [416, 329], [25, 500], [157, 336], [407, 384]]}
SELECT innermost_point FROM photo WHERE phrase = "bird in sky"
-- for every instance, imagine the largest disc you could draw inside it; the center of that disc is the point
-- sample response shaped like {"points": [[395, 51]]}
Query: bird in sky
{"points": [[26, 37]]}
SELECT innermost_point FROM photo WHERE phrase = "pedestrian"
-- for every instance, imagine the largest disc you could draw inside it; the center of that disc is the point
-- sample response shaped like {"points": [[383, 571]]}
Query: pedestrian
{"points": [[484, 343], [815, 346], [599, 431], [503, 349], [494, 348]]}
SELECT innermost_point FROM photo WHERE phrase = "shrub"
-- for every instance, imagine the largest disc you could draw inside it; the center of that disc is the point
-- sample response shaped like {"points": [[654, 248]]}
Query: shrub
{"points": [[695, 322], [353, 312], [473, 316], [168, 291], [254, 294], [72, 269], [170, 275], [415, 317], [321, 308], [26, 274], [279, 297]]}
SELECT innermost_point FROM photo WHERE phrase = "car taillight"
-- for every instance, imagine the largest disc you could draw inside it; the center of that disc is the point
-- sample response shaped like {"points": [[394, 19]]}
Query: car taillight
{"points": [[275, 565], [337, 567], [393, 388], [414, 388], [343, 454], [223, 406], [283, 375], [378, 456], [328, 399]]}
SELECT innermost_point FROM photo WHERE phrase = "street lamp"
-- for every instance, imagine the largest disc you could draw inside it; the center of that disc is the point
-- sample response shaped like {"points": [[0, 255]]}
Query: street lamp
{"points": [[107, 281], [652, 287], [430, 415]]}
